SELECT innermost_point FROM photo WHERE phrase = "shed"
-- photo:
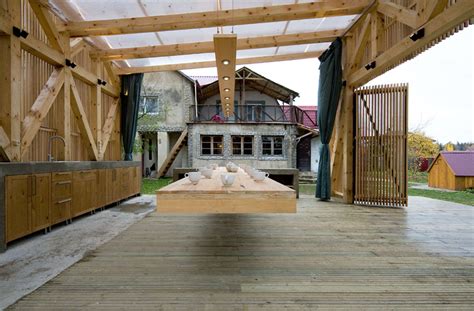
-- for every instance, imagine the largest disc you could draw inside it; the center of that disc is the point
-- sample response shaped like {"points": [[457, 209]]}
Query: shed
{"points": [[452, 170]]}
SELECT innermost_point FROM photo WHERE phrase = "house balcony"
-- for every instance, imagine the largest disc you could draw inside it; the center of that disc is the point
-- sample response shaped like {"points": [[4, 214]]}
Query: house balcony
{"points": [[252, 114]]}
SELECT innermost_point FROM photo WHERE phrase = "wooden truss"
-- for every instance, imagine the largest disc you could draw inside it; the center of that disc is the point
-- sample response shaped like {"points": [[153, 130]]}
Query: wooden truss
{"points": [[17, 135]]}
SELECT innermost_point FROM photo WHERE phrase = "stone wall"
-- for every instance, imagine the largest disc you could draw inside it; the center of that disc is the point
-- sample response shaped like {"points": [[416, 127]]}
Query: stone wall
{"points": [[176, 95], [287, 160]]}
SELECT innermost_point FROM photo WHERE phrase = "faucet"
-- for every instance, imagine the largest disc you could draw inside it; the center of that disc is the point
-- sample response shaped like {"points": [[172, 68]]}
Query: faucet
{"points": [[50, 156]]}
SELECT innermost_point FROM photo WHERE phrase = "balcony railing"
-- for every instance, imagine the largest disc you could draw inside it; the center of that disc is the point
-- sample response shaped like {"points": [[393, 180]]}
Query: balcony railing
{"points": [[252, 114]]}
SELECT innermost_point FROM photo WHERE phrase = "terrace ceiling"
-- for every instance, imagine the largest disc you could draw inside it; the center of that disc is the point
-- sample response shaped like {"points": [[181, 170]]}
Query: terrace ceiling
{"points": [[179, 34]]}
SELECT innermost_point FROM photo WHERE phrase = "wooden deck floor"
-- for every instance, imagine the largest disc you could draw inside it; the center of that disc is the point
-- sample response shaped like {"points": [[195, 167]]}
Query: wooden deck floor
{"points": [[327, 255]]}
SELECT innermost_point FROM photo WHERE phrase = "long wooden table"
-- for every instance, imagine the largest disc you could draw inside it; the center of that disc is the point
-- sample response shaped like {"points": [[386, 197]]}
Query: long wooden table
{"points": [[210, 196]]}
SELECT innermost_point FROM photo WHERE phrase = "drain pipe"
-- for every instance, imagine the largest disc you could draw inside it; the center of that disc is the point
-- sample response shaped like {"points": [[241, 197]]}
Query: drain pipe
{"points": [[195, 100]]}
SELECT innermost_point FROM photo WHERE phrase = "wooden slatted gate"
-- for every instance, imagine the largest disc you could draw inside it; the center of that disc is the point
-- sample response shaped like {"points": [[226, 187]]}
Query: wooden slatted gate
{"points": [[381, 145]]}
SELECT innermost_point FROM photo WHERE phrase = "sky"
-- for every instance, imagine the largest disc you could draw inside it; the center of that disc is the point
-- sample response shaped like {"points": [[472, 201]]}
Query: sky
{"points": [[441, 86]]}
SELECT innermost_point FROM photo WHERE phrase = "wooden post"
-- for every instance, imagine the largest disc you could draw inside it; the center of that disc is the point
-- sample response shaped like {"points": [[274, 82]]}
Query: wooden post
{"points": [[348, 143], [64, 128], [10, 83], [96, 100]]}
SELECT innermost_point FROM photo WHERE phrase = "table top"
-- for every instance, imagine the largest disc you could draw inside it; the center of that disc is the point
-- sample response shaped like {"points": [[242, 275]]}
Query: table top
{"points": [[242, 184]]}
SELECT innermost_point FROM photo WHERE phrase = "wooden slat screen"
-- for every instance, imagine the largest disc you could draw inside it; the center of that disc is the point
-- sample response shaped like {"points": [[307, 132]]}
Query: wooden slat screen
{"points": [[381, 145]]}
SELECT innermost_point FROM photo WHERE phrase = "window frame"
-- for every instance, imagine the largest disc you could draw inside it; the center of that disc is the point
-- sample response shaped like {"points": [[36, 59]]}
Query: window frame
{"points": [[212, 142], [144, 105], [273, 138], [242, 145], [250, 108]]}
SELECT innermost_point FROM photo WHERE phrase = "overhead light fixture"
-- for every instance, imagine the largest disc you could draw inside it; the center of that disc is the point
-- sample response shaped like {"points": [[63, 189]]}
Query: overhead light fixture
{"points": [[225, 47]]}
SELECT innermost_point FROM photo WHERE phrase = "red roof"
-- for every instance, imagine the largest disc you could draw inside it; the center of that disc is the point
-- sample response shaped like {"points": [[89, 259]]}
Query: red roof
{"points": [[310, 117], [461, 162]]}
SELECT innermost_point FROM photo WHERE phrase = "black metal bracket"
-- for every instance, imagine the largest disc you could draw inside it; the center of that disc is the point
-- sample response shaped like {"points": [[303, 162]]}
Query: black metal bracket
{"points": [[69, 63], [420, 33], [17, 32], [371, 65]]}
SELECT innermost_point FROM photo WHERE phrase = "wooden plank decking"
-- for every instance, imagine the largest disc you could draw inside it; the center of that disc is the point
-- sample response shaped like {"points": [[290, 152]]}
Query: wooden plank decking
{"points": [[326, 255]]}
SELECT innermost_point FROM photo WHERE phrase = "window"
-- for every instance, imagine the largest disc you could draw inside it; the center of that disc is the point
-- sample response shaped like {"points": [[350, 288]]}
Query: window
{"points": [[211, 145], [149, 105], [242, 145], [254, 110], [272, 145]]}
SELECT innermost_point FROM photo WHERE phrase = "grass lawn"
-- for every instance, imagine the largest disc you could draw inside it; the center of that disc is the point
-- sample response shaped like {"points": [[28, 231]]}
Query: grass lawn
{"points": [[417, 177], [149, 186], [463, 197], [308, 189]]}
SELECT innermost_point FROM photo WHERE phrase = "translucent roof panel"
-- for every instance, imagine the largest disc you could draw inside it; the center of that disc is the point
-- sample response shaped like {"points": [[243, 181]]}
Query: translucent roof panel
{"points": [[241, 4], [132, 40], [256, 52], [188, 35], [302, 48], [110, 9], [156, 61], [86, 10], [262, 29], [320, 24]]}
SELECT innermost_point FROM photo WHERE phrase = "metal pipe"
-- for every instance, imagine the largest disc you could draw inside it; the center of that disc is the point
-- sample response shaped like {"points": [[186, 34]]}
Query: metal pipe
{"points": [[50, 156]]}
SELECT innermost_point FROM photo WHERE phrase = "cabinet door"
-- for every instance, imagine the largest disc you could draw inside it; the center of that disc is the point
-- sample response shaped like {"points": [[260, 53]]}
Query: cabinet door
{"points": [[40, 201], [101, 188], [78, 194], [18, 206], [109, 187], [60, 210]]}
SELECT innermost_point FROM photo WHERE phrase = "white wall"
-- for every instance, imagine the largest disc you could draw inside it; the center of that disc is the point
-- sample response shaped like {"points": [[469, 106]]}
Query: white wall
{"points": [[315, 146]]}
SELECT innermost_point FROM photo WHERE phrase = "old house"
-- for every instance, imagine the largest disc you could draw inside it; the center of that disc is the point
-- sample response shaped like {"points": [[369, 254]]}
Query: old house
{"points": [[164, 106], [263, 131], [452, 170]]}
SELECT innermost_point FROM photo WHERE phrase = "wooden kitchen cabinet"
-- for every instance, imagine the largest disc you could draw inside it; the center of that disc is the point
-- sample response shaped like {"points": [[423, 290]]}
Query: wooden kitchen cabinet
{"points": [[101, 188], [40, 201], [84, 192], [27, 202], [17, 203], [61, 186]]}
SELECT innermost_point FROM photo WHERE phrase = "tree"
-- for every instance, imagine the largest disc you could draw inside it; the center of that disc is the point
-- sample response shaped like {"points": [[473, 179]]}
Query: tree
{"points": [[420, 147]]}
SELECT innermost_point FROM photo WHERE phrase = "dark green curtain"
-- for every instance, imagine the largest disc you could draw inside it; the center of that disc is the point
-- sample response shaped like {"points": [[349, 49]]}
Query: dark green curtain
{"points": [[130, 102], [330, 84]]}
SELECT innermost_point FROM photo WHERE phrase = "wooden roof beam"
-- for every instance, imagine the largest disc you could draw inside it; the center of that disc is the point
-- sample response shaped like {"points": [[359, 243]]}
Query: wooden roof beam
{"points": [[400, 13], [240, 61], [208, 46], [456, 14], [265, 14]]}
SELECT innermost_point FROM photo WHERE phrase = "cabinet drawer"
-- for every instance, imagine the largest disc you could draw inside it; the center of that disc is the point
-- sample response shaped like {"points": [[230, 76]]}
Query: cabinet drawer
{"points": [[85, 175], [61, 210], [59, 176], [62, 189]]}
